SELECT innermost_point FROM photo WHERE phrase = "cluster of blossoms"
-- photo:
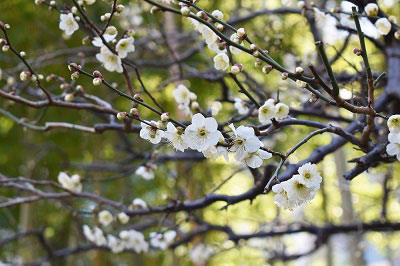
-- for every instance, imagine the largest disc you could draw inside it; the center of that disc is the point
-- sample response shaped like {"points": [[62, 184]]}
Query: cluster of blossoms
{"points": [[201, 253], [393, 148], [72, 183], [269, 110], [298, 189], [185, 99]]}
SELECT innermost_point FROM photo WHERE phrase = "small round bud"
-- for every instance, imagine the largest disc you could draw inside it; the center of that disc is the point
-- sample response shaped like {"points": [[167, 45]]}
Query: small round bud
{"points": [[154, 10], [397, 35], [74, 10], [195, 105], [64, 86], [69, 97], [34, 78], [80, 88], [97, 81], [357, 51], [5, 48], [220, 27], [138, 97], [119, 8], [111, 30], [256, 53], [121, 115], [134, 112], [7, 26], [312, 4], [236, 69], [86, 40], [299, 71], [164, 117], [284, 75], [97, 74], [301, 84], [75, 75], [22, 54], [24, 75], [73, 67], [50, 77], [301, 4], [267, 69], [185, 11], [253, 47], [241, 33], [40, 77]]}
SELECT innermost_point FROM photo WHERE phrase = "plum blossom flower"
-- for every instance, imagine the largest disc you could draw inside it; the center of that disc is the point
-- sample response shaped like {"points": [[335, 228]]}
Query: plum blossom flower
{"points": [[310, 175], [218, 14], [236, 39], [125, 46], [393, 149], [281, 198], [175, 136], [151, 133], [383, 25], [115, 244], [123, 218], [68, 24], [201, 253], [267, 111], [162, 241], [241, 106], [134, 240], [393, 124], [72, 183], [244, 142], [146, 172], [139, 203], [183, 95], [95, 236], [255, 159], [298, 191], [105, 217], [221, 61], [371, 9], [202, 133], [109, 60], [214, 152], [394, 137], [282, 111], [216, 106]]}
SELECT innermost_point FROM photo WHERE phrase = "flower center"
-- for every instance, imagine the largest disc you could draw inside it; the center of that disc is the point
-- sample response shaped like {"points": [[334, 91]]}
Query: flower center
{"points": [[307, 175], [299, 186], [202, 132], [265, 110]]}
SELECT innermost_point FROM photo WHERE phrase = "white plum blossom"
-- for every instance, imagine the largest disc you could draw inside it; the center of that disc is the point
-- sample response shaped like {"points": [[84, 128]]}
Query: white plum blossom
{"points": [[139, 203], [200, 254], [125, 46], [72, 183], [267, 111], [383, 25], [89, 2], [109, 60], [394, 137], [175, 136], [244, 142], [393, 124], [162, 241], [281, 198], [146, 172], [393, 149], [95, 236], [123, 218], [298, 191], [151, 133], [310, 175], [216, 106], [134, 240], [221, 61], [234, 50], [255, 159], [202, 133], [214, 152], [241, 106], [115, 244], [183, 95], [105, 217], [282, 111], [371, 9], [68, 24], [218, 14]]}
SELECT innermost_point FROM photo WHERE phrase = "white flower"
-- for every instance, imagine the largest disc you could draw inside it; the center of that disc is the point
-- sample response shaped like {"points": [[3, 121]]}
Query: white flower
{"points": [[281, 197], [393, 124], [267, 111], [214, 152], [139, 203], [241, 106], [310, 175], [371, 9], [319, 15], [183, 95], [134, 240], [115, 244], [298, 191], [282, 111], [202, 133], [68, 24], [255, 159], [125, 46], [151, 133], [162, 241], [383, 25], [105, 217], [221, 61], [89, 2], [236, 39], [393, 149], [87, 232], [98, 42], [218, 14], [145, 172], [123, 218], [244, 142], [200, 254], [208, 34], [394, 137], [95, 236], [216, 106], [175, 136], [72, 183], [110, 61]]}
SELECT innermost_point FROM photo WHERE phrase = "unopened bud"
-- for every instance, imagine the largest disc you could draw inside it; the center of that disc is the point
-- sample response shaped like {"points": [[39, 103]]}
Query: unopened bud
{"points": [[397, 35], [24, 75], [119, 8], [111, 30], [50, 77], [86, 40], [236, 69], [253, 47], [40, 77], [284, 75], [69, 97], [267, 69], [138, 97], [22, 54], [75, 75], [74, 10], [301, 84], [299, 70], [5, 48], [164, 117], [97, 81], [195, 105], [220, 27], [241, 33], [121, 115], [80, 88], [134, 112], [34, 78], [97, 74], [185, 11], [256, 53], [53, 3], [357, 51], [154, 10]]}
